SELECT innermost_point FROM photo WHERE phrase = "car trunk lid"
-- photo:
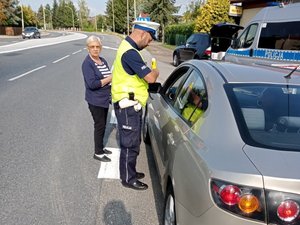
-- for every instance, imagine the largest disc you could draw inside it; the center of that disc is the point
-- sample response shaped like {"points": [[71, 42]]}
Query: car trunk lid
{"points": [[279, 169], [221, 37]]}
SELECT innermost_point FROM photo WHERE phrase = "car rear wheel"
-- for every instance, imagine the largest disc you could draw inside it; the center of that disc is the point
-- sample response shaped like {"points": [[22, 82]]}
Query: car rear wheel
{"points": [[175, 60], [170, 213], [146, 136]]}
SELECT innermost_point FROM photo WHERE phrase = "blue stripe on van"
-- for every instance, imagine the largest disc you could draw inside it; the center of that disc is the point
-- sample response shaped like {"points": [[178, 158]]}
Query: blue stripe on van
{"points": [[281, 55], [238, 52]]}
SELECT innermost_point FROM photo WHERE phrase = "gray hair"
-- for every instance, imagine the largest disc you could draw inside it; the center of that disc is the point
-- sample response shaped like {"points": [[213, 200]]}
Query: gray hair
{"points": [[93, 38]]}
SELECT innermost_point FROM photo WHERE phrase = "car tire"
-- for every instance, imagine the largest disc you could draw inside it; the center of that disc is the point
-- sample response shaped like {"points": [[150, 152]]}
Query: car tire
{"points": [[175, 60], [146, 136], [169, 208]]}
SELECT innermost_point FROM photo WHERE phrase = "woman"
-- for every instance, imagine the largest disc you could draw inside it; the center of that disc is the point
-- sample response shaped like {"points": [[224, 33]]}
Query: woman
{"points": [[97, 78]]}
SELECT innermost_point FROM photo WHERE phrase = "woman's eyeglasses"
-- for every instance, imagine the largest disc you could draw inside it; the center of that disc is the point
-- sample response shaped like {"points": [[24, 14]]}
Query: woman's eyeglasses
{"points": [[94, 46]]}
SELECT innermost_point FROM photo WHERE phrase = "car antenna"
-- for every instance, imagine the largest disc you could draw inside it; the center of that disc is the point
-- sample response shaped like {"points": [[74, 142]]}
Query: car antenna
{"points": [[288, 76]]}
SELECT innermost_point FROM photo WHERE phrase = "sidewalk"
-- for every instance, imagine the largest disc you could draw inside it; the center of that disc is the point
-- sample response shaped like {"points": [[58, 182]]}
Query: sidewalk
{"points": [[160, 52]]}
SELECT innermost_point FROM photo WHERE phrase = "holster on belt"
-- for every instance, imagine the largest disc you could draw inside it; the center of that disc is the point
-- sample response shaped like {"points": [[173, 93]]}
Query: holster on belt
{"points": [[125, 102]]}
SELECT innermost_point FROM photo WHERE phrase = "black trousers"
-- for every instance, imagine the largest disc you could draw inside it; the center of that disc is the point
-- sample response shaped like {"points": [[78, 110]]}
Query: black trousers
{"points": [[99, 115], [129, 127]]}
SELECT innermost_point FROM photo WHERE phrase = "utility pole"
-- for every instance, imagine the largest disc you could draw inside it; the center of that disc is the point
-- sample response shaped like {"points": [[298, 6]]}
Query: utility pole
{"points": [[96, 22], [127, 18], [44, 18], [113, 15], [134, 5], [22, 15]]}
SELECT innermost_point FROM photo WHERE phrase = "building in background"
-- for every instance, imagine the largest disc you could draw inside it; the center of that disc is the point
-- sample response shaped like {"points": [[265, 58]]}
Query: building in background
{"points": [[244, 10]]}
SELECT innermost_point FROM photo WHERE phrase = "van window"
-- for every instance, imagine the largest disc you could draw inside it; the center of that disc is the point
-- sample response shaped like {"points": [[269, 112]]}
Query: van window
{"points": [[283, 36], [247, 37]]}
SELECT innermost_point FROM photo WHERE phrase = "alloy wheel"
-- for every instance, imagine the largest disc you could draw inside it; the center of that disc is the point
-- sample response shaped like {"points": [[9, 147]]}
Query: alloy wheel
{"points": [[169, 218]]}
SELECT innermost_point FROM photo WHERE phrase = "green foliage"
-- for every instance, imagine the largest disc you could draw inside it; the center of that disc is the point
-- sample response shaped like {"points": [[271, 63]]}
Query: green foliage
{"points": [[9, 13], [29, 16], [116, 11], [177, 34], [162, 12], [213, 12], [101, 23], [192, 9]]}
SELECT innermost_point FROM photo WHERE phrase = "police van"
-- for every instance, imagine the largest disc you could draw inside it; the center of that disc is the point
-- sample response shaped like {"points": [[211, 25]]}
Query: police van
{"points": [[272, 37]]}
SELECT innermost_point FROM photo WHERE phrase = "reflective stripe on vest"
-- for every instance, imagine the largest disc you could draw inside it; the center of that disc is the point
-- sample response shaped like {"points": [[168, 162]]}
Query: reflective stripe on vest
{"points": [[124, 83]]}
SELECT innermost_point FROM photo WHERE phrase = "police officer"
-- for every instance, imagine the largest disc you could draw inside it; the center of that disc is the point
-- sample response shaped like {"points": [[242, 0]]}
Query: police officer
{"points": [[130, 81]]}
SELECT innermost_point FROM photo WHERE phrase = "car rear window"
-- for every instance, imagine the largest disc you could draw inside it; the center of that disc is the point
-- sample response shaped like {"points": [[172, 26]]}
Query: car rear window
{"points": [[267, 115]]}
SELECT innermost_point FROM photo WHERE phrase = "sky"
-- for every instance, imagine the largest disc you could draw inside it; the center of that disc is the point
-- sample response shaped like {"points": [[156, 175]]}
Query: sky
{"points": [[95, 6]]}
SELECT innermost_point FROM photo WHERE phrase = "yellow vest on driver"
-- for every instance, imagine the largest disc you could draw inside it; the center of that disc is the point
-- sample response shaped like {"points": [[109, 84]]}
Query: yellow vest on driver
{"points": [[123, 83]]}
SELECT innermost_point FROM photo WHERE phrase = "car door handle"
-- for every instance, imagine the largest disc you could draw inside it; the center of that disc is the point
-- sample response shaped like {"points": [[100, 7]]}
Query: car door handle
{"points": [[170, 139], [157, 114]]}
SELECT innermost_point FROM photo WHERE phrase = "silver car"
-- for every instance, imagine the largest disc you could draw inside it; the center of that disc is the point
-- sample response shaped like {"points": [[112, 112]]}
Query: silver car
{"points": [[226, 142], [31, 32]]}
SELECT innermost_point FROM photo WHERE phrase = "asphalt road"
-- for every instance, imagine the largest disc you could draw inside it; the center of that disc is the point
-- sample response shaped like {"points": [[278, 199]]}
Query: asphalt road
{"points": [[47, 173]]}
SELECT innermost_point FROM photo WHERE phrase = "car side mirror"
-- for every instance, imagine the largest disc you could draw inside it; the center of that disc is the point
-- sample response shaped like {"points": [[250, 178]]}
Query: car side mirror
{"points": [[154, 87]]}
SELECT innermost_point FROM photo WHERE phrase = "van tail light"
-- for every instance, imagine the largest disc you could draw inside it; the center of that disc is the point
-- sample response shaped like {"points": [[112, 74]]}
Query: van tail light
{"points": [[268, 206]]}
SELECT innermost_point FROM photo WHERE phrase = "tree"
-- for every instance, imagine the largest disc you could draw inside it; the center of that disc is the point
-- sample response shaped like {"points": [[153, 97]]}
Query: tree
{"points": [[55, 20], [117, 16], [83, 13], [162, 12], [213, 12], [30, 18], [9, 12], [48, 16], [192, 10], [101, 22]]}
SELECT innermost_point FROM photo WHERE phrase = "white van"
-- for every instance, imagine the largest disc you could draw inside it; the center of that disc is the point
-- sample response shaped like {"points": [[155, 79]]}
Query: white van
{"points": [[272, 37]]}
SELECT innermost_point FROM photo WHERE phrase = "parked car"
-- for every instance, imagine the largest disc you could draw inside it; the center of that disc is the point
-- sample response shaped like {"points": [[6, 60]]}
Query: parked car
{"points": [[226, 142], [194, 48], [31, 32], [206, 46]]}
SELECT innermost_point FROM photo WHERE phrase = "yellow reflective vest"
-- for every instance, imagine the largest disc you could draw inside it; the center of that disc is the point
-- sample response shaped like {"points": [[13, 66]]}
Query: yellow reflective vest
{"points": [[124, 83]]}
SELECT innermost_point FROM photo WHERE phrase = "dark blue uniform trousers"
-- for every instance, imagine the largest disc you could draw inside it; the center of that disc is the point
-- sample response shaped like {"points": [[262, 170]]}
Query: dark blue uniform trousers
{"points": [[129, 127]]}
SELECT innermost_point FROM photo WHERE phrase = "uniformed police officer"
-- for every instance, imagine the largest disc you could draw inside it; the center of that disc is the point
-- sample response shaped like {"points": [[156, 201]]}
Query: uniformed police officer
{"points": [[130, 81]]}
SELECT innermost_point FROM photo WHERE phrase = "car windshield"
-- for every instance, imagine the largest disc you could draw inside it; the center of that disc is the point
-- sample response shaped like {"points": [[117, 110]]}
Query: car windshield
{"points": [[29, 29], [267, 115]]}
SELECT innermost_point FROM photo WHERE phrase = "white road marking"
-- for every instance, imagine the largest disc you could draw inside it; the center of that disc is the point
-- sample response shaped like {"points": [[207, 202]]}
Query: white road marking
{"points": [[107, 47], [61, 59], [76, 52], [110, 169], [24, 74]]}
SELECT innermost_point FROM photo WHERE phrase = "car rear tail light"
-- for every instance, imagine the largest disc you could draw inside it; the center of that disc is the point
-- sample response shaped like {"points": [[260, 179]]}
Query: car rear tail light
{"points": [[268, 206], [288, 210], [230, 194], [207, 52], [248, 203], [283, 208], [240, 200]]}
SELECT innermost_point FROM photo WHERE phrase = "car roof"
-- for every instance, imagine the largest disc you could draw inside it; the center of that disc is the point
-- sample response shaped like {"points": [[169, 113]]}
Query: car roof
{"points": [[287, 13], [237, 73]]}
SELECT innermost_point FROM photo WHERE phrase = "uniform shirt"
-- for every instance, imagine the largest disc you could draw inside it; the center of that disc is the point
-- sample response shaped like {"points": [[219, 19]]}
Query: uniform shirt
{"points": [[133, 63], [93, 73]]}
